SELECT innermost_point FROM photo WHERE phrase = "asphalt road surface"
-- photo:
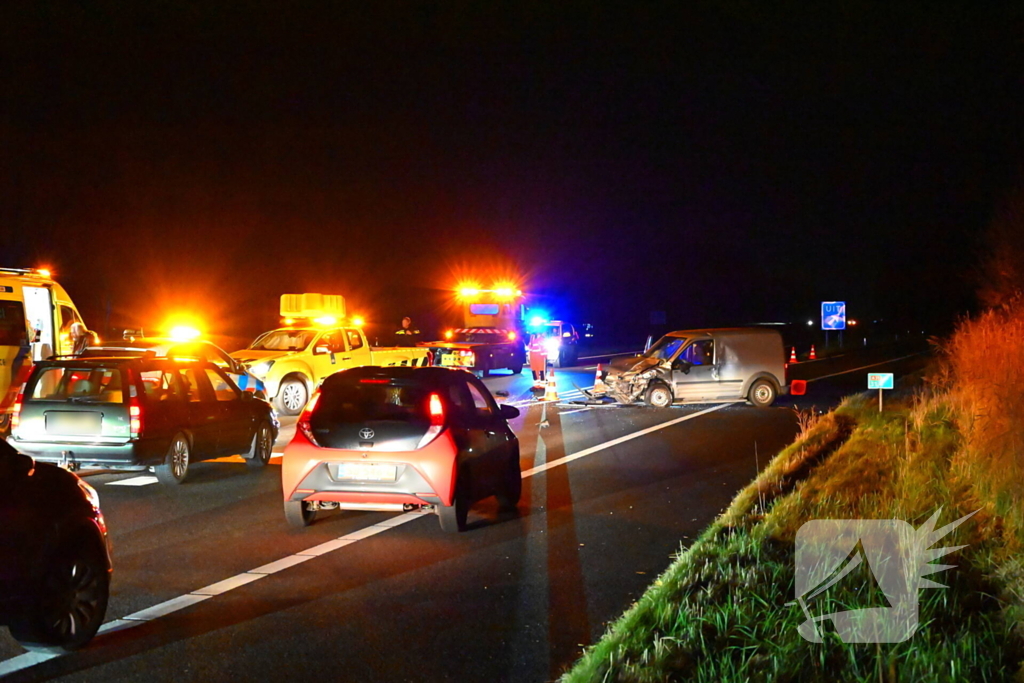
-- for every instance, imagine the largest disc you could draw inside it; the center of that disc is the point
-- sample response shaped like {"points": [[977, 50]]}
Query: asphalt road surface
{"points": [[210, 583]]}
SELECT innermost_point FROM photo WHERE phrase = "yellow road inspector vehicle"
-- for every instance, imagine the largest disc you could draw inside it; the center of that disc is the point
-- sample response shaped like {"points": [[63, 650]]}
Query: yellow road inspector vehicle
{"points": [[316, 341], [36, 319]]}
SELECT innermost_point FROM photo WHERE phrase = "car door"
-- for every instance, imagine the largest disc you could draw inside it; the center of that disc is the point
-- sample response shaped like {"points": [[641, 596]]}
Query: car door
{"points": [[471, 439], [328, 354], [203, 411], [235, 426], [695, 374], [496, 434]]}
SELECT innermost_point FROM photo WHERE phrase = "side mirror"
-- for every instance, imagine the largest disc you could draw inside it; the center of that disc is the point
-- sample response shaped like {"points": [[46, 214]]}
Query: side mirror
{"points": [[508, 412], [248, 396], [321, 350]]}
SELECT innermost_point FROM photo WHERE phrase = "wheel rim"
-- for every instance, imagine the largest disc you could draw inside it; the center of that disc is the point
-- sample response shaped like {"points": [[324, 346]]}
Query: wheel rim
{"points": [[763, 393], [179, 458], [660, 398], [263, 445], [293, 396], [79, 600]]}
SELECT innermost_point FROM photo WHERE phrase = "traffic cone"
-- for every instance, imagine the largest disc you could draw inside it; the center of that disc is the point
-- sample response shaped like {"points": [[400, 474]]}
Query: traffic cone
{"points": [[551, 392], [599, 385], [792, 355], [812, 356]]}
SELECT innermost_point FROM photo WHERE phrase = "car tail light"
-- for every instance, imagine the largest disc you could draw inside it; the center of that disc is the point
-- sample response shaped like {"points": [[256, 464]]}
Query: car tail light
{"points": [[135, 417], [436, 421], [436, 410], [16, 410], [303, 423]]}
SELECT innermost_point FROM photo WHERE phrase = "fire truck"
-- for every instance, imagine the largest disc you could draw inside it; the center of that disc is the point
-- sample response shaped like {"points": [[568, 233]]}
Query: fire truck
{"points": [[491, 338]]}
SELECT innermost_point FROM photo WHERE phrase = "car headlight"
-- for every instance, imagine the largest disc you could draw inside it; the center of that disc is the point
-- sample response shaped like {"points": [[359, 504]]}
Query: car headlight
{"points": [[552, 344], [260, 370]]}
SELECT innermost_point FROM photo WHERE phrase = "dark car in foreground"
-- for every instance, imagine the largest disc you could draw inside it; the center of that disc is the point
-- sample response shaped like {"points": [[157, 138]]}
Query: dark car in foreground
{"points": [[54, 555], [401, 439], [131, 413]]}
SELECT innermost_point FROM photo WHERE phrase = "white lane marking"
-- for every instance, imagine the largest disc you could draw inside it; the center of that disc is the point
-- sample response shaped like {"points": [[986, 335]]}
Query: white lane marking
{"points": [[226, 585], [181, 602], [622, 439], [283, 563], [610, 355], [572, 412], [865, 367], [166, 607], [24, 661], [144, 480], [118, 625], [326, 547]]}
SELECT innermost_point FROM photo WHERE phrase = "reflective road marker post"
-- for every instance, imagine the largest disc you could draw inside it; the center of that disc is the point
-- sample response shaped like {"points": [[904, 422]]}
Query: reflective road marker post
{"points": [[880, 381]]}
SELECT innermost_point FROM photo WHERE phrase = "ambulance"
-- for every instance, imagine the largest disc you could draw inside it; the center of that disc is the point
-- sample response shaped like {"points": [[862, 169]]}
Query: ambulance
{"points": [[36, 315]]}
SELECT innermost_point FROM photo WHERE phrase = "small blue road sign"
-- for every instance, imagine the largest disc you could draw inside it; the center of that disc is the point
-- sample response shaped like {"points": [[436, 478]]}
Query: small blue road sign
{"points": [[833, 315], [880, 380]]}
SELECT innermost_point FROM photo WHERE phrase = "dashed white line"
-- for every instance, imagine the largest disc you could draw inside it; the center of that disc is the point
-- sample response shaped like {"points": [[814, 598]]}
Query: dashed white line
{"points": [[145, 480]]}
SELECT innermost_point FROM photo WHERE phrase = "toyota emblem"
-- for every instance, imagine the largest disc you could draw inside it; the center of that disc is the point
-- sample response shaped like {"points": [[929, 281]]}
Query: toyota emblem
{"points": [[366, 433]]}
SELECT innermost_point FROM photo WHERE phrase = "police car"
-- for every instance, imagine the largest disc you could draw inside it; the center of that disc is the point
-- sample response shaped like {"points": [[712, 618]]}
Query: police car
{"points": [[183, 345]]}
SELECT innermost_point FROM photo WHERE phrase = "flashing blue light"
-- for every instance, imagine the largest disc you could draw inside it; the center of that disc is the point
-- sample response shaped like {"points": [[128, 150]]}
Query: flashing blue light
{"points": [[537, 320]]}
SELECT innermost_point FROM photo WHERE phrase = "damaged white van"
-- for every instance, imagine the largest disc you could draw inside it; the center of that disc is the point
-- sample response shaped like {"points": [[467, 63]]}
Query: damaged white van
{"points": [[703, 366]]}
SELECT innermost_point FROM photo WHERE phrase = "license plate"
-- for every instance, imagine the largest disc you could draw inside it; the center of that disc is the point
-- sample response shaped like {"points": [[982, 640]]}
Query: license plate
{"points": [[365, 471], [73, 423], [453, 360]]}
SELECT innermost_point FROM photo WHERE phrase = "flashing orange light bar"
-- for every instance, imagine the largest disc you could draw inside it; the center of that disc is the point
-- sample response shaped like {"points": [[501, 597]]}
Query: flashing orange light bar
{"points": [[448, 334], [468, 292], [512, 336], [326, 320], [289, 321], [45, 272], [358, 321], [184, 333]]}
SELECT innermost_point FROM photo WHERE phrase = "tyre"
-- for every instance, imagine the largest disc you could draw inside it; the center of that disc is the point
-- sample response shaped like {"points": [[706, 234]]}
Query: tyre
{"points": [[262, 446], [517, 369], [174, 468], [299, 513], [762, 393], [511, 488], [658, 395], [453, 517], [71, 605], [292, 396]]}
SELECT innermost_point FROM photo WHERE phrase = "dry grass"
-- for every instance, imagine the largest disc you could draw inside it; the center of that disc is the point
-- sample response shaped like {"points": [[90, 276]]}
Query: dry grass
{"points": [[718, 613]]}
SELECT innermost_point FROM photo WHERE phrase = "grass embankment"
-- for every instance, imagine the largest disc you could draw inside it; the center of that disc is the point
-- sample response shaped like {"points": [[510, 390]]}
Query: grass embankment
{"points": [[720, 613]]}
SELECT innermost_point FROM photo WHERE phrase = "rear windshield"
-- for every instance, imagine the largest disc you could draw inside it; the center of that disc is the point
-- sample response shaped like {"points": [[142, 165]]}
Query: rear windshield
{"points": [[80, 385], [12, 324], [371, 399]]}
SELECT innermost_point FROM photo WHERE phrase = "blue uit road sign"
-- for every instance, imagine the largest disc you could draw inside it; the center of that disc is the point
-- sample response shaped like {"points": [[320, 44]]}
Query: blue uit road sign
{"points": [[833, 315], [880, 380]]}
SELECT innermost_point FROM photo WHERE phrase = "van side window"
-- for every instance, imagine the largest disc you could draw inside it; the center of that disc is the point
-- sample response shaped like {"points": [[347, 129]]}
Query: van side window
{"points": [[194, 379], [162, 385], [700, 353]]}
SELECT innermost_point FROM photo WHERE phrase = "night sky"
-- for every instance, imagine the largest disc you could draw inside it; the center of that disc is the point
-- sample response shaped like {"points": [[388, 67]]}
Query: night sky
{"points": [[723, 163]]}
